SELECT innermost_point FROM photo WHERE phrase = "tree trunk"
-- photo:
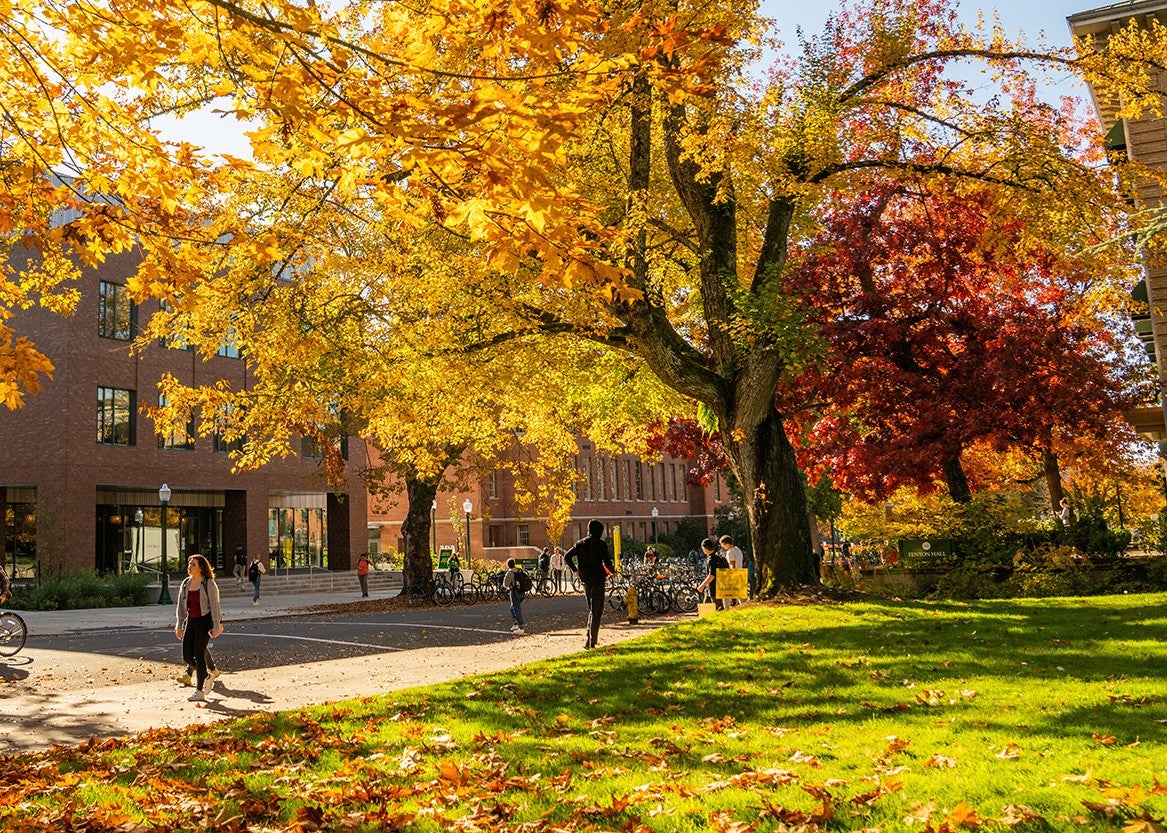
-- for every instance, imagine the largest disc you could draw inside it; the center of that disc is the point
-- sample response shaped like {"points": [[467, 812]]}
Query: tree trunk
{"points": [[957, 481], [776, 508], [418, 568], [1053, 479]]}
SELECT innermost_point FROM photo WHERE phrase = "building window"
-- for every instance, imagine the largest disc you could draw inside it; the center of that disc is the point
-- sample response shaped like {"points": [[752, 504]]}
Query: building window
{"points": [[603, 467], [493, 484], [673, 476], [652, 480], [628, 480], [181, 437], [524, 535], [230, 347], [173, 342], [684, 487], [587, 473], [664, 486], [311, 448], [115, 416], [116, 313], [717, 487], [222, 424], [639, 480]]}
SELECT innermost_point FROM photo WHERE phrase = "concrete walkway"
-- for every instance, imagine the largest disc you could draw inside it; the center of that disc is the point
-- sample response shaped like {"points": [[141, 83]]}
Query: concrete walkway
{"points": [[52, 697]]}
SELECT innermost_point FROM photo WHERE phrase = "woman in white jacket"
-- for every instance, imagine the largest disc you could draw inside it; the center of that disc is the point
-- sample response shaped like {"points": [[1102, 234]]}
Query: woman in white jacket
{"points": [[198, 618]]}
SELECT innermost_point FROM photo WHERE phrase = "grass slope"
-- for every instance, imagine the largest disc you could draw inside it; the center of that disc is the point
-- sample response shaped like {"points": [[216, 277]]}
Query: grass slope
{"points": [[870, 715]]}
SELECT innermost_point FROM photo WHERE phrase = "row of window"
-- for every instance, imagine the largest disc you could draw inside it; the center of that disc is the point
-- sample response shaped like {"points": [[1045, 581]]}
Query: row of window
{"points": [[117, 318], [117, 411], [627, 479], [117, 423]]}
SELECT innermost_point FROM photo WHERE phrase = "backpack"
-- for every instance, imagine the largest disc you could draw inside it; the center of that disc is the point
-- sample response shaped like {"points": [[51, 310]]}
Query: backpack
{"points": [[523, 581], [720, 562]]}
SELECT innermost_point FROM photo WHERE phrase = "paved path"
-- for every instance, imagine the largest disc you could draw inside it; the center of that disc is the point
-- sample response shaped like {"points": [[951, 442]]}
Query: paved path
{"points": [[52, 697]]}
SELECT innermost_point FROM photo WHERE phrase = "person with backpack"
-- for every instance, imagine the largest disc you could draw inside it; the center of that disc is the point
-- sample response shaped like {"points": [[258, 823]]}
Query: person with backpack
{"points": [[591, 559], [254, 574], [240, 566], [714, 561], [517, 584]]}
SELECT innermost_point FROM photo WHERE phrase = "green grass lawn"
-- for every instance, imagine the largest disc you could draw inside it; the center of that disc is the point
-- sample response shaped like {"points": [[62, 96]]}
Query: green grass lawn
{"points": [[871, 715]]}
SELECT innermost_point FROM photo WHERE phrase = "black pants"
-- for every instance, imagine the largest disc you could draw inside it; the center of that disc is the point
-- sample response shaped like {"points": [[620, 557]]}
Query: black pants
{"points": [[594, 592], [194, 646]]}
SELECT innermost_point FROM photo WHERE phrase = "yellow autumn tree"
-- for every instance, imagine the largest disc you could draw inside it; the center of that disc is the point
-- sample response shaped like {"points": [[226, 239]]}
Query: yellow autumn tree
{"points": [[613, 163]]}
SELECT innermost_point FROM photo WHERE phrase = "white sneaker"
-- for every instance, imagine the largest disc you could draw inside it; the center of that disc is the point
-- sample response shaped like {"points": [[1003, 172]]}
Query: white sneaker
{"points": [[255, 603], [197, 697], [520, 632]]}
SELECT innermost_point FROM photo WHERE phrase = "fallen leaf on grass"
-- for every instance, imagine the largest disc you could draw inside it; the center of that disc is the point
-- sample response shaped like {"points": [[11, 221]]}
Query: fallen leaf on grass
{"points": [[1010, 753], [1105, 740], [940, 762], [723, 821], [895, 744], [1015, 814], [920, 812], [800, 757], [964, 816]]}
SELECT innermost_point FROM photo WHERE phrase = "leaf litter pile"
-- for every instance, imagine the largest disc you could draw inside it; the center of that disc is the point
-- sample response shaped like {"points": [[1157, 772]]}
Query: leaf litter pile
{"points": [[868, 716]]}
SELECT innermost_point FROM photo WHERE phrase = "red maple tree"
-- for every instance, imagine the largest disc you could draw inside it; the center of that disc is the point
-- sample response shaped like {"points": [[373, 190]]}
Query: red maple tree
{"points": [[948, 322]]}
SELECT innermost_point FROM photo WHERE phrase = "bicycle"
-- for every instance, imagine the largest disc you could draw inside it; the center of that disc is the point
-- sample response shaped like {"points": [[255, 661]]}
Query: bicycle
{"points": [[13, 632]]}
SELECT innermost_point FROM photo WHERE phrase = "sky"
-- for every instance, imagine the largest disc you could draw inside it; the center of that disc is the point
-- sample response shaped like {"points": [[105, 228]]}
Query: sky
{"points": [[1031, 17]]}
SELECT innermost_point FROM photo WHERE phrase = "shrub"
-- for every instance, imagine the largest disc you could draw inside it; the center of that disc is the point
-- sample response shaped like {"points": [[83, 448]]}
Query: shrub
{"points": [[77, 591]]}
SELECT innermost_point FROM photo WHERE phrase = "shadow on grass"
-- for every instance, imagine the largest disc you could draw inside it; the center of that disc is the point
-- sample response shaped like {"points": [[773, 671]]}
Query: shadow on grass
{"points": [[1075, 667]]}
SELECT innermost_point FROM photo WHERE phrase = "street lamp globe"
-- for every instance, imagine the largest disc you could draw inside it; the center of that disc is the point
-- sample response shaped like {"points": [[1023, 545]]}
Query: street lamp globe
{"points": [[164, 493]]}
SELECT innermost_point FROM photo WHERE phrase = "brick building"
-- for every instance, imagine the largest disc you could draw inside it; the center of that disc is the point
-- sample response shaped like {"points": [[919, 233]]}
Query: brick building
{"points": [[82, 465], [616, 489]]}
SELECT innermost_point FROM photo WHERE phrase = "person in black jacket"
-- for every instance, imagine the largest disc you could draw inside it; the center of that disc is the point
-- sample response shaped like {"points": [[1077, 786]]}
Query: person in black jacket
{"points": [[593, 561]]}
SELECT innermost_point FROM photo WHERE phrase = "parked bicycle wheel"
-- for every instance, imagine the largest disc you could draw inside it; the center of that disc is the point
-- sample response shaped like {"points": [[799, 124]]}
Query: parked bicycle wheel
{"points": [[444, 593], [685, 597], [13, 632], [653, 600]]}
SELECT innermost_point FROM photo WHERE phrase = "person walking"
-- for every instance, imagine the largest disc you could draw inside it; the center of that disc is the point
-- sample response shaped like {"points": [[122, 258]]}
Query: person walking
{"points": [[512, 583], [254, 573], [198, 618], [544, 569], [714, 561], [363, 573], [557, 567], [591, 559], [733, 554], [5, 584], [187, 677], [240, 570]]}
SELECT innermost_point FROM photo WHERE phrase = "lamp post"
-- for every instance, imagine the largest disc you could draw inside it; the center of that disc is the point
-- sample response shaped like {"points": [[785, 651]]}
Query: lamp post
{"points": [[655, 512], [140, 523], [466, 507], [434, 528], [164, 596]]}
